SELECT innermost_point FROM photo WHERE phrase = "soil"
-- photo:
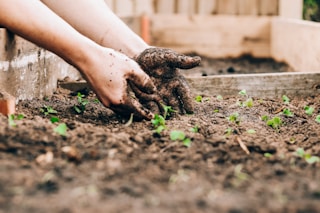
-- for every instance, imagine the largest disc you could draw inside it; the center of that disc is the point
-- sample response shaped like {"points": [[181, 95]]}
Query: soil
{"points": [[104, 164]]}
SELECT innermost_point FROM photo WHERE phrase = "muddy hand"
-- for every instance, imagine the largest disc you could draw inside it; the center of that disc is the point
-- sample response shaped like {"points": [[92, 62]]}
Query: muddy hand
{"points": [[163, 65]]}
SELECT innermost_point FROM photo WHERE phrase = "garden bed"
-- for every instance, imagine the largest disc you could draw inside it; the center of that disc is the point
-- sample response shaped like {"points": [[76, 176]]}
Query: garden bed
{"points": [[236, 161]]}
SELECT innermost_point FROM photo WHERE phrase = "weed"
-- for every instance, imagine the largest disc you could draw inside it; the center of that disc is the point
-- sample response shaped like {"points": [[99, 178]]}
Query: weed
{"points": [[180, 136], [275, 123], [285, 99], [198, 98], [243, 92], [46, 110], [308, 110], [61, 129], [248, 103], [287, 112], [306, 156]]}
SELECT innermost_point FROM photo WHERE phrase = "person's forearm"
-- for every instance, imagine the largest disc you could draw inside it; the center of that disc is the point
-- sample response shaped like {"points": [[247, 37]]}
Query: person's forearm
{"points": [[95, 20], [34, 21]]}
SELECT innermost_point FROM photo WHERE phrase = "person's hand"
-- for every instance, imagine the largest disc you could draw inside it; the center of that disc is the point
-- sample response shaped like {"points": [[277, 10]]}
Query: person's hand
{"points": [[109, 75], [162, 66]]}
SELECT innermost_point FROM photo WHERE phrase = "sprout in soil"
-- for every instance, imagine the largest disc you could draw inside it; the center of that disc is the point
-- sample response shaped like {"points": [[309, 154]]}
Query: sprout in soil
{"points": [[318, 119], [12, 118], [275, 123], [159, 123], [228, 131], [243, 92], [180, 136], [265, 118], [285, 99], [268, 155], [308, 110], [219, 97], [81, 107], [61, 129], [251, 131], [306, 156], [198, 98], [234, 118], [54, 119], [194, 129], [46, 110], [167, 111], [287, 112]]}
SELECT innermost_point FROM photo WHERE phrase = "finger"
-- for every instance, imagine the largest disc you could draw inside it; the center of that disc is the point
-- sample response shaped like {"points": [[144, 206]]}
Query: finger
{"points": [[141, 80], [133, 106]]}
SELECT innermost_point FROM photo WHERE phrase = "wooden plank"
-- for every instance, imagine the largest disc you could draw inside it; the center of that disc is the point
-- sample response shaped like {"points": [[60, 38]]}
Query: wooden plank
{"points": [[268, 7], [213, 36], [143, 7], [271, 85], [248, 7], [206, 7], [186, 7], [165, 6], [229, 7], [291, 8], [124, 8], [297, 43]]}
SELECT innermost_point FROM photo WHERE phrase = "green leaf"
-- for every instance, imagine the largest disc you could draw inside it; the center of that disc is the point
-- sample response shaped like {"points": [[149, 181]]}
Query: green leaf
{"points": [[318, 119], [248, 103], [198, 98], [20, 117], [167, 111], [159, 129], [158, 120], [219, 97], [61, 129], [177, 135], [268, 155], [243, 92], [251, 131], [287, 112], [11, 120], [194, 129], [216, 110], [234, 118], [264, 118], [313, 159], [54, 119], [285, 99], [275, 122], [77, 109], [308, 110], [228, 131], [187, 142], [300, 152]]}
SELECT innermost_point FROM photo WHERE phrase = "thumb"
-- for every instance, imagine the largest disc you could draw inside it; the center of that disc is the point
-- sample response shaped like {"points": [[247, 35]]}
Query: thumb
{"points": [[184, 62]]}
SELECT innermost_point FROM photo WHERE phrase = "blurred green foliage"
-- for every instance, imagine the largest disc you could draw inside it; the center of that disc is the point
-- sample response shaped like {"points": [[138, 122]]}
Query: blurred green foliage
{"points": [[311, 10]]}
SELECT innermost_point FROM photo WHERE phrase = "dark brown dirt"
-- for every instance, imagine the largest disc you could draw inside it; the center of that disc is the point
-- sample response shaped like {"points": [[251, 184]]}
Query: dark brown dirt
{"points": [[102, 165]]}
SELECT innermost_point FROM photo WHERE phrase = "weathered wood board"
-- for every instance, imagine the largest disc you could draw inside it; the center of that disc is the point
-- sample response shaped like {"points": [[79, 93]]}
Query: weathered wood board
{"points": [[269, 85]]}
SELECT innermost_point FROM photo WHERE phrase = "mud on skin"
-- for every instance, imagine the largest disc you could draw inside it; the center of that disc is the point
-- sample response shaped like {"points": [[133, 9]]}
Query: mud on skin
{"points": [[163, 65]]}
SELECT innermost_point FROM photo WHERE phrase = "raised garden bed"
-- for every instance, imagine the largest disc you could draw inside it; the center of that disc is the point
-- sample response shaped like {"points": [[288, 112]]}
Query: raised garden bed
{"points": [[236, 161]]}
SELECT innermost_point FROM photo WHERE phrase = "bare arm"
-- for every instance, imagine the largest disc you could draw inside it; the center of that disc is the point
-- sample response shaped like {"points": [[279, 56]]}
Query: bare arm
{"points": [[106, 70], [95, 20]]}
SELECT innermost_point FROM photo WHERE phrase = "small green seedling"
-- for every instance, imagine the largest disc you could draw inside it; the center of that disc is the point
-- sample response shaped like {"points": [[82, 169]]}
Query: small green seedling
{"points": [[275, 123], [194, 129], [167, 111], [54, 119], [219, 97], [251, 131], [228, 131], [248, 103], [61, 129], [265, 118], [318, 119], [46, 110], [234, 118], [268, 155], [159, 123], [12, 118], [243, 92], [81, 107], [307, 157], [308, 110], [287, 112], [216, 110], [285, 99], [180, 136], [198, 98]]}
